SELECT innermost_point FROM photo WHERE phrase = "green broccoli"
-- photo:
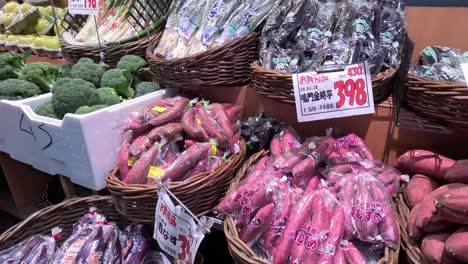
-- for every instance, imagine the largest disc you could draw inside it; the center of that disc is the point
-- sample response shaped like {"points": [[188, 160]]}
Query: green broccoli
{"points": [[11, 65], [43, 74], [85, 61], [89, 109], [71, 94], [120, 80], [60, 82], [90, 72], [131, 63], [64, 70], [46, 109], [108, 96], [146, 88], [14, 89]]}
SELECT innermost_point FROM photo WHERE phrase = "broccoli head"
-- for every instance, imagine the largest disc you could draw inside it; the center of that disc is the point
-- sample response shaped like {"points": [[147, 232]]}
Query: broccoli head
{"points": [[89, 109], [131, 63], [64, 70], [43, 74], [120, 80], [46, 109], [108, 96], [11, 65], [146, 88], [90, 72], [71, 94], [85, 61], [14, 89]]}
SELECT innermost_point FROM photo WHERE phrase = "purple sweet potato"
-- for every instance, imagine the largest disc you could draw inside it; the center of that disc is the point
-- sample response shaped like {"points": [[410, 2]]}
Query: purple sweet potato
{"points": [[199, 168], [298, 251], [224, 123], [437, 224], [209, 125], [422, 213], [167, 131], [388, 227], [365, 228], [340, 257], [452, 205], [189, 158], [171, 114], [424, 162], [419, 187], [346, 196], [289, 142], [432, 247], [458, 172], [352, 254], [192, 127], [139, 145], [456, 245], [259, 224], [124, 156], [139, 170], [276, 148], [312, 185], [334, 237]]}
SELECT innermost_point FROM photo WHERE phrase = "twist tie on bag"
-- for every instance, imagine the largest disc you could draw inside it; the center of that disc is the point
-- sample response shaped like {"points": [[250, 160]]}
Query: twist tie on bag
{"points": [[193, 102], [214, 147], [55, 233]]}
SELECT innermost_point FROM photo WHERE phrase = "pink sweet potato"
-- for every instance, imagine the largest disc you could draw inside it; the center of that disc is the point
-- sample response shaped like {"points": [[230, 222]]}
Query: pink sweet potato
{"points": [[275, 146], [224, 123], [191, 126], [436, 225], [295, 221], [172, 114], [452, 205], [419, 187], [432, 247], [289, 142], [167, 131], [209, 125], [124, 156], [352, 254], [458, 172], [456, 246], [340, 257], [312, 185], [139, 171], [424, 162], [421, 214], [139, 145], [334, 237], [259, 224], [300, 241], [233, 113], [346, 196]]}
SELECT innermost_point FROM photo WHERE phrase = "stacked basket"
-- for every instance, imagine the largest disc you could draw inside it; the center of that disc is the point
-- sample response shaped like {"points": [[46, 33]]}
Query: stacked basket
{"points": [[243, 253], [200, 193]]}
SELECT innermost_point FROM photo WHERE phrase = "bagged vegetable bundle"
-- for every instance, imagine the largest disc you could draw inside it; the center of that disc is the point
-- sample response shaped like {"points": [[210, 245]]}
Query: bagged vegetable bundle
{"points": [[175, 139], [312, 200], [307, 35], [441, 64], [437, 195]]}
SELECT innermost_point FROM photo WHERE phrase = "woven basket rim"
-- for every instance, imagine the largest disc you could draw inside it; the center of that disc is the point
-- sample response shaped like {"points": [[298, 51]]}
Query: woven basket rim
{"points": [[240, 250], [216, 51], [427, 81], [116, 185]]}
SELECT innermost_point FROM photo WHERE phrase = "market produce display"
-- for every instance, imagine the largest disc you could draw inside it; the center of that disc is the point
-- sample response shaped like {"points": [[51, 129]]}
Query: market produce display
{"points": [[196, 26], [258, 131], [440, 64], [93, 240], [436, 196], [307, 35], [89, 87], [175, 139], [316, 201], [26, 27]]}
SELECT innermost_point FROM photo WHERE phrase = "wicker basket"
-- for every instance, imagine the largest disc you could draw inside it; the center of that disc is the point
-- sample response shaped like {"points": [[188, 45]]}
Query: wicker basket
{"points": [[200, 193], [411, 248], [62, 215], [278, 85], [242, 253], [223, 66], [439, 101]]}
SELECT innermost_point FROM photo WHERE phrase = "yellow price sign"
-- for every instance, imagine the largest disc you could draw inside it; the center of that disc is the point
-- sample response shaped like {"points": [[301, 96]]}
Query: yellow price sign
{"points": [[156, 172], [159, 109]]}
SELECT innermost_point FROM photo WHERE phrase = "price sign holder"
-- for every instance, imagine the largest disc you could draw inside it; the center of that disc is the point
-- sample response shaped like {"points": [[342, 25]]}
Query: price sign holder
{"points": [[176, 229], [333, 92]]}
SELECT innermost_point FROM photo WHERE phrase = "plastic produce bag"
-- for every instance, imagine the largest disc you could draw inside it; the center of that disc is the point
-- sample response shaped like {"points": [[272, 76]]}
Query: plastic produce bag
{"points": [[156, 257], [38, 249], [258, 132], [392, 31], [87, 219], [135, 245], [350, 148]]}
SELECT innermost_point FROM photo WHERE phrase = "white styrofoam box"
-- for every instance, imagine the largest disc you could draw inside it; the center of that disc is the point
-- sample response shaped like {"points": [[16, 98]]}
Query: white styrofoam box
{"points": [[83, 148]]}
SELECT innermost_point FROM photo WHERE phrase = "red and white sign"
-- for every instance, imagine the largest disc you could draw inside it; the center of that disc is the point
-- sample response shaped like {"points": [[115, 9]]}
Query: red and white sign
{"points": [[176, 231], [334, 94], [83, 7]]}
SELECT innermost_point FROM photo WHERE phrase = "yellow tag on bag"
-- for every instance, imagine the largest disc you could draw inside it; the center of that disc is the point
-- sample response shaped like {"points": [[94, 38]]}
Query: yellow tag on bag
{"points": [[131, 161], [199, 121], [156, 172], [159, 109]]}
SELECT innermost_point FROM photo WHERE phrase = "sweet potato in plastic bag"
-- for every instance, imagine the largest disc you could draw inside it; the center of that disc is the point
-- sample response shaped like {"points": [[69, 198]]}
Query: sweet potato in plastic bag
{"points": [[112, 245], [350, 148], [351, 253], [258, 225], [87, 219], [289, 159], [135, 245], [38, 249], [70, 249]]}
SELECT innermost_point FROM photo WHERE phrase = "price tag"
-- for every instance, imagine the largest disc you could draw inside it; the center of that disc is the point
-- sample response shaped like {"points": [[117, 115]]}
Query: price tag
{"points": [[464, 67], [83, 7], [334, 94], [176, 231]]}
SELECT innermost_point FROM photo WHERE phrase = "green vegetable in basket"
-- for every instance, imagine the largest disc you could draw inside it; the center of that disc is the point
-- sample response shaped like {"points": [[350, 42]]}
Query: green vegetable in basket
{"points": [[108, 96], [146, 88], [64, 70], [88, 71], [10, 7], [42, 26], [14, 89], [70, 94], [43, 74], [89, 109], [51, 42], [11, 65], [7, 19], [131, 63], [84, 61], [46, 109], [120, 80]]}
